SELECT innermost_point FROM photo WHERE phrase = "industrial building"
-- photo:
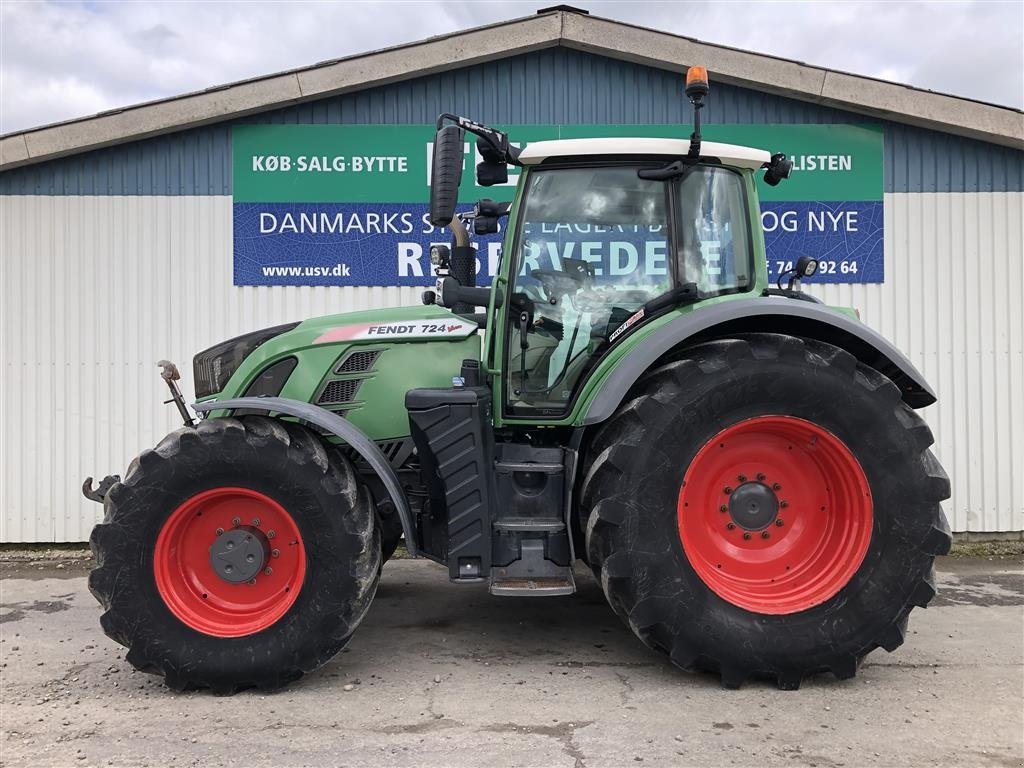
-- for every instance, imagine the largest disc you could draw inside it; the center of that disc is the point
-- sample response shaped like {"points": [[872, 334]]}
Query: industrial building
{"points": [[155, 231]]}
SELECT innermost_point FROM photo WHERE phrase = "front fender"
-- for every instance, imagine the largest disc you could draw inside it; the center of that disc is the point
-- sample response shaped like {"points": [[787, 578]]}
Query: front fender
{"points": [[333, 423], [762, 315]]}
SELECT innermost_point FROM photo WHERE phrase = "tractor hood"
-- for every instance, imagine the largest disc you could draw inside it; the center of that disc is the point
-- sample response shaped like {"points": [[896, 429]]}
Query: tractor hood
{"points": [[360, 363], [221, 364]]}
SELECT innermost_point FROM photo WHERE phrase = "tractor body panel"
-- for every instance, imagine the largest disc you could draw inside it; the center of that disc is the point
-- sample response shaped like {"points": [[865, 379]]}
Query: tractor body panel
{"points": [[405, 348], [780, 315]]}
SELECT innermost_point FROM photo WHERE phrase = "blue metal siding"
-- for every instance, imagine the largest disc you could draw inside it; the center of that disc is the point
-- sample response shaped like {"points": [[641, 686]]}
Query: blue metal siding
{"points": [[556, 85]]}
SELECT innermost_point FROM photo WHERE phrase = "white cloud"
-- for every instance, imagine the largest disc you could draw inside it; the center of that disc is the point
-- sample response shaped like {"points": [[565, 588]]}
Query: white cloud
{"points": [[65, 60]]}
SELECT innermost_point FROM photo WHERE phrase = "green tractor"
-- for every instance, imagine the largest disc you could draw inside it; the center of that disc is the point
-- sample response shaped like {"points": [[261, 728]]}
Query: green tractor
{"points": [[741, 467]]}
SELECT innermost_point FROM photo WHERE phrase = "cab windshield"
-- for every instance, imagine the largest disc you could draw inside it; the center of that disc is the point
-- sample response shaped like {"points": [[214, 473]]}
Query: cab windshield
{"points": [[594, 245]]}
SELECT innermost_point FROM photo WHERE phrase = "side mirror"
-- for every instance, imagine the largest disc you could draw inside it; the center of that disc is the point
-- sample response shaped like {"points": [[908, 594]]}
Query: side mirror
{"points": [[445, 175], [493, 146]]}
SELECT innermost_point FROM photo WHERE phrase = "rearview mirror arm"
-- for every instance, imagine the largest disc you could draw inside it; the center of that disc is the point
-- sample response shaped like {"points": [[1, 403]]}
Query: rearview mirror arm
{"points": [[497, 141]]}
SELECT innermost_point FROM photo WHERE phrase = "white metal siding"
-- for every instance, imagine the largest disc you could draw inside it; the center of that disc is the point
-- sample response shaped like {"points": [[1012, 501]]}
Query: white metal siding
{"points": [[97, 289], [951, 301]]}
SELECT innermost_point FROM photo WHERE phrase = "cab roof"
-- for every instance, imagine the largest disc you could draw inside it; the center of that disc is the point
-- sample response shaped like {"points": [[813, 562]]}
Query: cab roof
{"points": [[728, 154]]}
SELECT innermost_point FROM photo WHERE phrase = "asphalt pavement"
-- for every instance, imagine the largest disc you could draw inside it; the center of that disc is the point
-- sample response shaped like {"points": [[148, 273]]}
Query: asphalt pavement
{"points": [[443, 675]]}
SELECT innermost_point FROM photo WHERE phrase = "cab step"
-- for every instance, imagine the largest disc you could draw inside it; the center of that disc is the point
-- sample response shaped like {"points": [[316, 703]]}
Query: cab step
{"points": [[540, 586], [532, 575], [530, 524]]}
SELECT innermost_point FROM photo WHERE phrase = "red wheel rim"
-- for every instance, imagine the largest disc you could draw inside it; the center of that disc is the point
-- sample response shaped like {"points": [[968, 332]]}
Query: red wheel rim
{"points": [[811, 546], [192, 589]]}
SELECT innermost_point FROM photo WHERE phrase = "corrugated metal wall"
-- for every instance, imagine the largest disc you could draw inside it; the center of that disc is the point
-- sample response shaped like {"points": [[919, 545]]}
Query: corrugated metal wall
{"points": [[951, 302], [96, 289]]}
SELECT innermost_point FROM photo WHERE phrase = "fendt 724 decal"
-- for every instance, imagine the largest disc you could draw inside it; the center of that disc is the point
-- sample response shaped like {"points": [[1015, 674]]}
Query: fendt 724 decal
{"points": [[410, 329]]}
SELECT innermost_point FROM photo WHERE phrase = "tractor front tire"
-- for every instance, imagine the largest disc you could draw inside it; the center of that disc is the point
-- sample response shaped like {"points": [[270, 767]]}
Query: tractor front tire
{"points": [[765, 506], [237, 554]]}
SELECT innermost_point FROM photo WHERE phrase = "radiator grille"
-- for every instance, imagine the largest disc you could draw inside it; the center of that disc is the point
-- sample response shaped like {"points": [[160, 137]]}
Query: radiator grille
{"points": [[341, 391], [358, 361]]}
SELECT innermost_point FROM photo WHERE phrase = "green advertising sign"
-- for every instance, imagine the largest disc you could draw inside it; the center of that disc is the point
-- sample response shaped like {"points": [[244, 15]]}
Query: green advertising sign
{"points": [[389, 163]]}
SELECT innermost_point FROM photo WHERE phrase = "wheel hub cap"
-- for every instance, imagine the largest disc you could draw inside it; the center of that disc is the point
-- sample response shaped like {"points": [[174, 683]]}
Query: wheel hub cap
{"points": [[753, 506], [239, 554]]}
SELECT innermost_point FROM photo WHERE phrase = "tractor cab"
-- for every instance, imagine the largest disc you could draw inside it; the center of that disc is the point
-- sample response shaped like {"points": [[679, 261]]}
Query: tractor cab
{"points": [[608, 234]]}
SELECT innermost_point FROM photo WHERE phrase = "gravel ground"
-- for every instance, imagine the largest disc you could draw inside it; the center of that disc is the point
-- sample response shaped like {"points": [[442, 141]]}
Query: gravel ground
{"points": [[446, 675]]}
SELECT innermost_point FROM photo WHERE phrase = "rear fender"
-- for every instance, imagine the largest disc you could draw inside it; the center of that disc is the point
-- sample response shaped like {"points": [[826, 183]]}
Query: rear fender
{"points": [[762, 315], [337, 426]]}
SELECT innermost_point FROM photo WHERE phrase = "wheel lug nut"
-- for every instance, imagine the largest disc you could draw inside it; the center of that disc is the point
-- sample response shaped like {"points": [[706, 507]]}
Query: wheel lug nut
{"points": [[220, 531], [760, 476], [237, 521], [776, 487], [275, 553], [268, 571], [783, 504], [256, 522], [779, 523], [727, 490], [746, 536], [271, 534], [742, 478], [723, 508], [252, 581], [730, 526], [765, 535], [250, 557]]}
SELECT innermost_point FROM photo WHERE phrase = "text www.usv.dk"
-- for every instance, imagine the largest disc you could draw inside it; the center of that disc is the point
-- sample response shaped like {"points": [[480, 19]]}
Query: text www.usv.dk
{"points": [[338, 270]]}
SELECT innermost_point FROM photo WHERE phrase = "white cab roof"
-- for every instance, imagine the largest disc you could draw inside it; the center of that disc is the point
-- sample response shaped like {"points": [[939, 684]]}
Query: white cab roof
{"points": [[729, 154]]}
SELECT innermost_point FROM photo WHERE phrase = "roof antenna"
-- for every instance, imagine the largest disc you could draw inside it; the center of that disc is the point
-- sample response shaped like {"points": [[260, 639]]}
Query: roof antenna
{"points": [[696, 89]]}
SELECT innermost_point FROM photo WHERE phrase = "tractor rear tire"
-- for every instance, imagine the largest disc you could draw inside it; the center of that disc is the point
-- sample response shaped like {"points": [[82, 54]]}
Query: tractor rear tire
{"points": [[303, 575], [765, 506]]}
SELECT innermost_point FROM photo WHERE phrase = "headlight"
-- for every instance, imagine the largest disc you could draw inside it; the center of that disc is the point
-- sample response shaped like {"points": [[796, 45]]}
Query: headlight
{"points": [[213, 367], [439, 255]]}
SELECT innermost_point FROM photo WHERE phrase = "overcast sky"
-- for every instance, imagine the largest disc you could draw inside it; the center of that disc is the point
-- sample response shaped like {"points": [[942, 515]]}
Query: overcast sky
{"points": [[63, 60]]}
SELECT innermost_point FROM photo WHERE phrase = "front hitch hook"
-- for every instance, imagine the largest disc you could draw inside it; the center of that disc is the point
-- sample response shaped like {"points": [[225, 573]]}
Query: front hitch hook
{"points": [[99, 493]]}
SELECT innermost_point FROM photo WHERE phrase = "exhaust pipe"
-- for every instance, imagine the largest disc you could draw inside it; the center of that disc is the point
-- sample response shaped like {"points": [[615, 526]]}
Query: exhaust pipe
{"points": [[463, 256]]}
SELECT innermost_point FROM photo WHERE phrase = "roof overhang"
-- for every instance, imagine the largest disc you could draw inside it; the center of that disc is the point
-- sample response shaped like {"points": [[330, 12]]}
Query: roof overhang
{"points": [[862, 95]]}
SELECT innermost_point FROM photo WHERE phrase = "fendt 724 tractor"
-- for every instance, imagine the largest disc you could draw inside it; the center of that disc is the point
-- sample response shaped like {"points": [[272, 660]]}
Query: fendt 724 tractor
{"points": [[741, 466]]}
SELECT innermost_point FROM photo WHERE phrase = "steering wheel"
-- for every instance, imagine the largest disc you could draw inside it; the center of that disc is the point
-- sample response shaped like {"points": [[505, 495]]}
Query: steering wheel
{"points": [[556, 283]]}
